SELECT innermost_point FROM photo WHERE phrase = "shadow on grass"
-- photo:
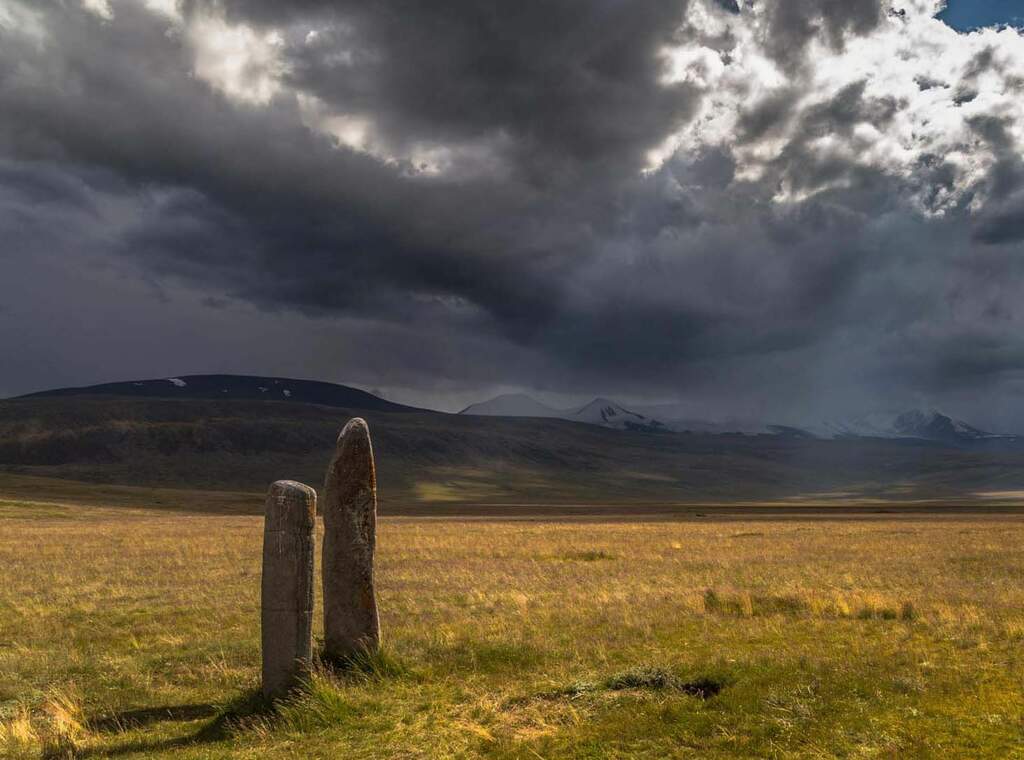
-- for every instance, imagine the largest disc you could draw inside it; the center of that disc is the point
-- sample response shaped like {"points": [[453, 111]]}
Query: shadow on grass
{"points": [[653, 679], [129, 719], [659, 679], [226, 718], [316, 696]]}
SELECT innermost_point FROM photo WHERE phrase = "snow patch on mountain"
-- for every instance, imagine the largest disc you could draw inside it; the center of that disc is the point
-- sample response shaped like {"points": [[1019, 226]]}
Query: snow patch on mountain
{"points": [[872, 425], [602, 411], [929, 425], [935, 425]]}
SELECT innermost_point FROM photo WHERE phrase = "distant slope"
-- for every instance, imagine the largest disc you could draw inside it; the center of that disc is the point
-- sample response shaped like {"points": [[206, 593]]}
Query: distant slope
{"points": [[679, 417], [512, 405], [236, 387], [611, 414], [600, 411]]}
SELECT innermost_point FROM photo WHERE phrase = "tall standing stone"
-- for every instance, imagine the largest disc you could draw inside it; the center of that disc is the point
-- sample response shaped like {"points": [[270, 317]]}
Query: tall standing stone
{"points": [[351, 625], [287, 586]]}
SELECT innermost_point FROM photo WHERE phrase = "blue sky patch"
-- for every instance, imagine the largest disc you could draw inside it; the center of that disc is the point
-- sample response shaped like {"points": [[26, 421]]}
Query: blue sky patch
{"points": [[965, 15]]}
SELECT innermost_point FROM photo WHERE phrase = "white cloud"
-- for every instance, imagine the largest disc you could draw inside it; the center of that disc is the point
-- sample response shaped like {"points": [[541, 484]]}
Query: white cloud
{"points": [[168, 8], [417, 158], [100, 7], [26, 22], [243, 63], [916, 62], [355, 132]]}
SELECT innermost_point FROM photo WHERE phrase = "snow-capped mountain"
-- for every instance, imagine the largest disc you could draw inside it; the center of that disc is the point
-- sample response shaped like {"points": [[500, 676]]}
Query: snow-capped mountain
{"points": [[934, 425], [512, 405], [607, 413], [600, 411], [930, 425]]}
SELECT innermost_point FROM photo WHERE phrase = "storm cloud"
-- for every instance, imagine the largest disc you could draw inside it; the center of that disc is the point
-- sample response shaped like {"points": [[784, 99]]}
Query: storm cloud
{"points": [[787, 206]]}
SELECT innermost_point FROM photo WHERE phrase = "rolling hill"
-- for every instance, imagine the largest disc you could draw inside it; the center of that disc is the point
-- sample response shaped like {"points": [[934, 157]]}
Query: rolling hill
{"points": [[235, 387]]}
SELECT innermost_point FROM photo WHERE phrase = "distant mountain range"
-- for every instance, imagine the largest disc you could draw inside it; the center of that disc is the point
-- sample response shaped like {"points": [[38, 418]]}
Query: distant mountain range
{"points": [[930, 425], [241, 432]]}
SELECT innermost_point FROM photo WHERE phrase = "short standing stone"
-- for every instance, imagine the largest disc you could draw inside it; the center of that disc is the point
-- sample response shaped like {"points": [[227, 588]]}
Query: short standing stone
{"points": [[351, 625], [287, 587]]}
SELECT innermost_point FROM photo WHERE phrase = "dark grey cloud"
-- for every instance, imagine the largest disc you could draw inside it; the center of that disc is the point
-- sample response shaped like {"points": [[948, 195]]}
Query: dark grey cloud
{"points": [[1002, 218], [772, 112], [794, 24], [796, 254], [572, 88]]}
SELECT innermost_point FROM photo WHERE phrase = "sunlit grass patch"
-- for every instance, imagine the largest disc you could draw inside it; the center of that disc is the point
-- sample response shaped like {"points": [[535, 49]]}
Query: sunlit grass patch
{"points": [[23, 509], [55, 727], [19, 738]]}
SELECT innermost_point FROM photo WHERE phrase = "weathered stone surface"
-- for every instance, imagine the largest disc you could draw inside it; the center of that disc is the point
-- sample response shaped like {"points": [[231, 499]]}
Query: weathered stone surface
{"points": [[351, 625], [287, 585]]}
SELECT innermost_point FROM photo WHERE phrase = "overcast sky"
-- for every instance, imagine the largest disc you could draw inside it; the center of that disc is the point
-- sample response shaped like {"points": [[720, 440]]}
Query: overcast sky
{"points": [[758, 208]]}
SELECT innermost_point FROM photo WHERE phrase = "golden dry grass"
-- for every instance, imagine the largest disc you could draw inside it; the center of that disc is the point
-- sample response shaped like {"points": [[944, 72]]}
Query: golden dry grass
{"points": [[135, 633]]}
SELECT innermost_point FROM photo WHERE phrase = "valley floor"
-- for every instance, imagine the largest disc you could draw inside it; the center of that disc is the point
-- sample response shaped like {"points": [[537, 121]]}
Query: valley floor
{"points": [[134, 633]]}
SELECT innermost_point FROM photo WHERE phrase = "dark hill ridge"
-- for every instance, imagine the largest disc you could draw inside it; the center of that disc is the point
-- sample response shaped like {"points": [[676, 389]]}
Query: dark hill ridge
{"points": [[237, 387]]}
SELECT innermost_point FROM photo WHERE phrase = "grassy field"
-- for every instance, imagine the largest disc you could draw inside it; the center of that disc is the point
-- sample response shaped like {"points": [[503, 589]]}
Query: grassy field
{"points": [[134, 633]]}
